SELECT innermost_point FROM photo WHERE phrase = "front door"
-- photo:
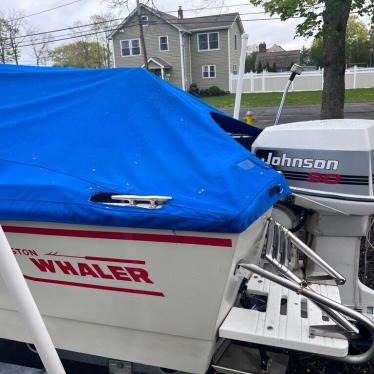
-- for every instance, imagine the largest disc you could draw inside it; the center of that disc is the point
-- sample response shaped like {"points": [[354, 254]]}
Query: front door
{"points": [[156, 71]]}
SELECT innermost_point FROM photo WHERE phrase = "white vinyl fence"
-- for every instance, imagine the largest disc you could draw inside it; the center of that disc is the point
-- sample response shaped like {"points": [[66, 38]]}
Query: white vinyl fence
{"points": [[308, 81]]}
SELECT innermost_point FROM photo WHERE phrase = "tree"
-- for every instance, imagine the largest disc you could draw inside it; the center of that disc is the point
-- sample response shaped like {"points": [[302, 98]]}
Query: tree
{"points": [[103, 25], [4, 42], [371, 45], [305, 56], [328, 19], [10, 38], [14, 23], [316, 52], [250, 62], [79, 54], [39, 44], [260, 69], [356, 44]]}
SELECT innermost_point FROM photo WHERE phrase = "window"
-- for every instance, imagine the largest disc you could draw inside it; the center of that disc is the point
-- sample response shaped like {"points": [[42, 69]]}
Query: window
{"points": [[235, 69], [135, 47], [164, 43], [209, 71], [144, 20], [236, 42], [208, 41], [130, 47]]}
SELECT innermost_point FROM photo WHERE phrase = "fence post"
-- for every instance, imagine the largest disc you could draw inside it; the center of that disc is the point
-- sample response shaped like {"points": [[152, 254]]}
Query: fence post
{"points": [[263, 80], [322, 77], [252, 82], [355, 76]]}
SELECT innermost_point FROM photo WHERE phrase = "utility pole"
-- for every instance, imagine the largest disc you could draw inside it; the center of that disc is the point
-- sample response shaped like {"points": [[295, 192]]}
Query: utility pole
{"points": [[141, 31]]}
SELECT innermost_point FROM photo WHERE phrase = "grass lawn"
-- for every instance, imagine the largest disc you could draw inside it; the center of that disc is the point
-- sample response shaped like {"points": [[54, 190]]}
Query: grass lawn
{"points": [[293, 98]]}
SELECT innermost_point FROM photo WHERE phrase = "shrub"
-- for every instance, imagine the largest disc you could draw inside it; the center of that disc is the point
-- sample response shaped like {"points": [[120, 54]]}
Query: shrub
{"points": [[204, 93], [194, 90], [215, 91], [211, 91]]}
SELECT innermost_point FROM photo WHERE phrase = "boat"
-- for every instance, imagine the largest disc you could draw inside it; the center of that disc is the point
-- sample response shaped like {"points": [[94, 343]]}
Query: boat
{"points": [[149, 235], [128, 208]]}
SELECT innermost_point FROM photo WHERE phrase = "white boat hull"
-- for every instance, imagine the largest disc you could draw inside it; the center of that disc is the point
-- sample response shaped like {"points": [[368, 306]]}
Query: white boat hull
{"points": [[147, 296]]}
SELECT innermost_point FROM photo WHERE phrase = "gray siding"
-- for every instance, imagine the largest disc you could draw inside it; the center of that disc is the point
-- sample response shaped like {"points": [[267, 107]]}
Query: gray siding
{"points": [[216, 57], [157, 28], [187, 59], [235, 53]]}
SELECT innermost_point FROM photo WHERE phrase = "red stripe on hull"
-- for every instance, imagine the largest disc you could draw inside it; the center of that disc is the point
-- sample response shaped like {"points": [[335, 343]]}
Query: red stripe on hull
{"points": [[159, 238], [94, 286], [120, 260]]}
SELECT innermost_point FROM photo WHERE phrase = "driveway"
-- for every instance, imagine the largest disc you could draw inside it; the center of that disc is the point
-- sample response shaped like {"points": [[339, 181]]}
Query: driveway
{"points": [[265, 116]]}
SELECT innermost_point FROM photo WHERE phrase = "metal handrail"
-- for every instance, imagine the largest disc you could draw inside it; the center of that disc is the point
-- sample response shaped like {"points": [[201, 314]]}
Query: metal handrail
{"points": [[300, 245], [327, 305]]}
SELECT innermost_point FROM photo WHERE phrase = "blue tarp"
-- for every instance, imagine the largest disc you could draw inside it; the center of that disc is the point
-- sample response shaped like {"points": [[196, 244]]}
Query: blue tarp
{"points": [[67, 135]]}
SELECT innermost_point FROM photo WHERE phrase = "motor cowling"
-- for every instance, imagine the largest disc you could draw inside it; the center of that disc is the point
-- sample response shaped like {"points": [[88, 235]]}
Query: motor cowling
{"points": [[328, 164]]}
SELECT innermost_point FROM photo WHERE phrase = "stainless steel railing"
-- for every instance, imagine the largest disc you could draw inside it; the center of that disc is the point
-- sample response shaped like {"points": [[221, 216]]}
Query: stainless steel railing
{"points": [[279, 247]]}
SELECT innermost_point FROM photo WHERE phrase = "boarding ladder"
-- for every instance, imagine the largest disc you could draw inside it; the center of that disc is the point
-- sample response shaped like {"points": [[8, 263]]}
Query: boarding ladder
{"points": [[301, 314]]}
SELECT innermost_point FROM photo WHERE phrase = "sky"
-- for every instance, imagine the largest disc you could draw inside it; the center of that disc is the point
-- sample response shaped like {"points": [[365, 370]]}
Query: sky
{"points": [[271, 32]]}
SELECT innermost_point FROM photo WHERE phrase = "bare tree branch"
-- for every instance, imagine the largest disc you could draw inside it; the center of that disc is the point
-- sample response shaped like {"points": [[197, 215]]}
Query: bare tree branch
{"points": [[40, 46], [11, 24], [103, 25]]}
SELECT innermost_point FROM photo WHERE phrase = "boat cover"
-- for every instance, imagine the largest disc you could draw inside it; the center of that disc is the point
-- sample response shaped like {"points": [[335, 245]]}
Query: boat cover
{"points": [[68, 135]]}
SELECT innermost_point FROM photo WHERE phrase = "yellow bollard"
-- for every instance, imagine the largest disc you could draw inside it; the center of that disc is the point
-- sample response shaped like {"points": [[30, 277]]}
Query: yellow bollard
{"points": [[249, 118]]}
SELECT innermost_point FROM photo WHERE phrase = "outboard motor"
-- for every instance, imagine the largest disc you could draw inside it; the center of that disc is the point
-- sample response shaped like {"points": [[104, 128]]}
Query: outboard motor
{"points": [[329, 166]]}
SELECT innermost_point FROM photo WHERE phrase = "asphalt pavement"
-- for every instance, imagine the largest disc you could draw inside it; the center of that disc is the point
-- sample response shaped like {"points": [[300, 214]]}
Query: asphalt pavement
{"points": [[265, 116]]}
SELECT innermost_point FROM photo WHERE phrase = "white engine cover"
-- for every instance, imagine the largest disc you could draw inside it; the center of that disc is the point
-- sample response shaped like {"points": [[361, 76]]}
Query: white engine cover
{"points": [[328, 162]]}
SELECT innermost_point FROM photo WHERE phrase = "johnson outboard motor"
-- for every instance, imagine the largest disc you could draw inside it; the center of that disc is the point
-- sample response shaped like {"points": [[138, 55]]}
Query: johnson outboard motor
{"points": [[329, 166]]}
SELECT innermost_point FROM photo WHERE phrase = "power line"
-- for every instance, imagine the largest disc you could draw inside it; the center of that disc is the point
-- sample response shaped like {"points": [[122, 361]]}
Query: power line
{"points": [[129, 25], [46, 10], [204, 8], [135, 25], [176, 21], [68, 28], [173, 22]]}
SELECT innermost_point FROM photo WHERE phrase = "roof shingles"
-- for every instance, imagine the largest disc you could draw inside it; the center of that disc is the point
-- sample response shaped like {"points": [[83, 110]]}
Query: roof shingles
{"points": [[283, 60]]}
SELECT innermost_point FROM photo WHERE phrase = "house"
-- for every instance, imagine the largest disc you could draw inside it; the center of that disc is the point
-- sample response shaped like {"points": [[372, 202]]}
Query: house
{"points": [[200, 50], [276, 57]]}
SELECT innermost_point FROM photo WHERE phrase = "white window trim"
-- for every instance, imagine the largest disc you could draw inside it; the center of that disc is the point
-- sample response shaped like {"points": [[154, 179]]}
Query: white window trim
{"points": [[236, 42], [209, 66], [209, 49], [159, 43], [130, 44], [235, 69]]}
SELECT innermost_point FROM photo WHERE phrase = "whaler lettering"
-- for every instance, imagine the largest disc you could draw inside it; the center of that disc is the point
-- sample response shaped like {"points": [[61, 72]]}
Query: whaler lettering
{"points": [[83, 269]]}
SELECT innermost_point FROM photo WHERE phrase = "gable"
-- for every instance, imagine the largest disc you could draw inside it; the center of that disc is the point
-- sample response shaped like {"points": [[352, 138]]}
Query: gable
{"points": [[238, 24], [156, 18]]}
